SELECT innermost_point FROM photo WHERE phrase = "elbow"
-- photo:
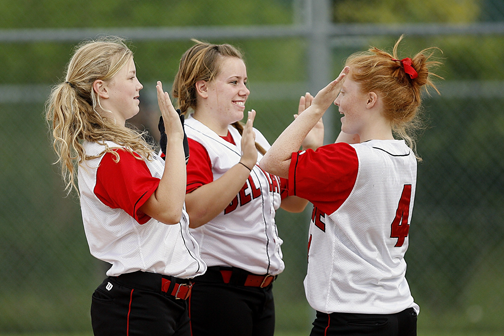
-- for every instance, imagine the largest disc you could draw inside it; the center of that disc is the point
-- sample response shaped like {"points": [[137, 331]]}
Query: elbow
{"points": [[196, 218], [267, 165], [275, 167], [281, 169], [170, 218], [194, 225]]}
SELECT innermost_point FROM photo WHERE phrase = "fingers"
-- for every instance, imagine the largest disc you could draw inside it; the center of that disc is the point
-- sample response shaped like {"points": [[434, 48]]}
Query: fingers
{"points": [[164, 101], [339, 80], [330, 92], [302, 102], [344, 72], [308, 100], [305, 102], [250, 120], [171, 119], [249, 151]]}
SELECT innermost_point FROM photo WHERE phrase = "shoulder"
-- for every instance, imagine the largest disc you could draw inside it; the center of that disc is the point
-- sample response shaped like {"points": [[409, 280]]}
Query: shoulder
{"points": [[95, 148], [392, 148], [337, 150], [341, 155], [196, 147]]}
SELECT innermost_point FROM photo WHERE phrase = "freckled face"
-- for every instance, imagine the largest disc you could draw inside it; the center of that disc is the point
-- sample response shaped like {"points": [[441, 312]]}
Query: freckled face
{"points": [[352, 105], [228, 92]]}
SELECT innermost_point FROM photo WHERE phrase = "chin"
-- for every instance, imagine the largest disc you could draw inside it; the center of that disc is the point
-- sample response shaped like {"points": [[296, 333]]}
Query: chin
{"points": [[132, 115], [238, 118]]}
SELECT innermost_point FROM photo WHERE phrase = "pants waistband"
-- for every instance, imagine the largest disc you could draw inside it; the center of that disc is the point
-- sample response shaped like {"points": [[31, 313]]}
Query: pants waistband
{"points": [[235, 276], [176, 287]]}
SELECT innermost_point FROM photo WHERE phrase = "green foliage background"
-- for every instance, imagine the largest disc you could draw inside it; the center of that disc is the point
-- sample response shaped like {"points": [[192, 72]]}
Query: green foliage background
{"points": [[454, 269]]}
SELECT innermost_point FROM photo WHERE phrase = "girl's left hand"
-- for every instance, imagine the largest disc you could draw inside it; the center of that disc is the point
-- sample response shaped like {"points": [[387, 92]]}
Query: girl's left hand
{"points": [[249, 150]]}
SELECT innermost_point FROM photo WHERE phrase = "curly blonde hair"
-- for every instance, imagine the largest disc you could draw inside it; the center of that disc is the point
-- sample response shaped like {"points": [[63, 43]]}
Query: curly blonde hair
{"points": [[71, 108], [378, 71]]}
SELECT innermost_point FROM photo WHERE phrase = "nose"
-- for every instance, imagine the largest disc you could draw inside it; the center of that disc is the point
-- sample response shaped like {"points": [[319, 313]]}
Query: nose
{"points": [[139, 86], [244, 91], [336, 101]]}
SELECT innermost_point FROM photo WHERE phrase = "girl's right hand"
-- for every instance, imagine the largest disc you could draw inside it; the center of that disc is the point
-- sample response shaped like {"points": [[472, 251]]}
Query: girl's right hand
{"points": [[326, 96], [249, 150], [171, 119]]}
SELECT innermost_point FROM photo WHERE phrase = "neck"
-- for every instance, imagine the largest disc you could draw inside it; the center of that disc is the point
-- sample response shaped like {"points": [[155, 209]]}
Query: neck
{"points": [[380, 130], [211, 122]]}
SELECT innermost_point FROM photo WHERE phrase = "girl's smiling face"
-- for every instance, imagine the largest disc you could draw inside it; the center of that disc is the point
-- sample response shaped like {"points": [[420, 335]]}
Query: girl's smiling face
{"points": [[228, 92], [123, 92], [351, 102]]}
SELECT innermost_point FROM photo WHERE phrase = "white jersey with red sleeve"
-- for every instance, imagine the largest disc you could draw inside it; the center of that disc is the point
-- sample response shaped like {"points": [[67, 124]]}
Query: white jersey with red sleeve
{"points": [[111, 194], [244, 235], [363, 197]]}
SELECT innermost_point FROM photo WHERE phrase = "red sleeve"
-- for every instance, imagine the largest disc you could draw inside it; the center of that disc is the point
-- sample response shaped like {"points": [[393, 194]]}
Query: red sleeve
{"points": [[284, 187], [127, 184], [199, 166], [325, 177]]}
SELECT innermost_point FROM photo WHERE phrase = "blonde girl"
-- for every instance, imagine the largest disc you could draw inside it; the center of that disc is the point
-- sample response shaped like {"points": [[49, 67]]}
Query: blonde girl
{"points": [[132, 202]]}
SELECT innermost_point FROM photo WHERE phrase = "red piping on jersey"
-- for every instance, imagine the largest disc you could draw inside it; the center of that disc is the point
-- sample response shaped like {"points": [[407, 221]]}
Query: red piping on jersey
{"points": [[129, 311]]}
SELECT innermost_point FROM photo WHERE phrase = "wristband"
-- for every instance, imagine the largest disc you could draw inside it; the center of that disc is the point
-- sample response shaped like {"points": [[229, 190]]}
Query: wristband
{"points": [[243, 164]]}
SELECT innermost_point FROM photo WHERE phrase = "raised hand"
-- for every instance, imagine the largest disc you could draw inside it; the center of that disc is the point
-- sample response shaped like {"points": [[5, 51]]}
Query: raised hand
{"points": [[315, 138], [328, 94], [171, 119], [249, 150]]}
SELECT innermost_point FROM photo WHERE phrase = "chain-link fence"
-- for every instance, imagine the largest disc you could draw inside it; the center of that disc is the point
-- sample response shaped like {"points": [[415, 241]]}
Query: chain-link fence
{"points": [[291, 46]]}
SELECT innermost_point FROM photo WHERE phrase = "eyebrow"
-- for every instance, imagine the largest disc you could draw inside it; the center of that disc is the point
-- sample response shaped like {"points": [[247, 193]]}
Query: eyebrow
{"points": [[237, 76]]}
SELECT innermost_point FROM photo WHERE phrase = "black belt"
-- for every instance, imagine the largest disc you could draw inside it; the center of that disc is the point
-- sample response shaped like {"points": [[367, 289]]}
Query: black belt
{"points": [[176, 287], [235, 276]]}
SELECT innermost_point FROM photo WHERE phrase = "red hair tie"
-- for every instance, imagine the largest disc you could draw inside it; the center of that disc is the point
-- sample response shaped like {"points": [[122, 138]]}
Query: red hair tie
{"points": [[406, 62]]}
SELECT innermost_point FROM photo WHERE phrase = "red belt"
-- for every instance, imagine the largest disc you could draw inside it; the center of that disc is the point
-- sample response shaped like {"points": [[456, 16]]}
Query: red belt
{"points": [[180, 291], [259, 280], [252, 280]]}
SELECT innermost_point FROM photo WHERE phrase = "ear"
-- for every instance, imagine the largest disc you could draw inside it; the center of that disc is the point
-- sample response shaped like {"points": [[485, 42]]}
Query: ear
{"points": [[100, 88], [202, 88], [372, 100]]}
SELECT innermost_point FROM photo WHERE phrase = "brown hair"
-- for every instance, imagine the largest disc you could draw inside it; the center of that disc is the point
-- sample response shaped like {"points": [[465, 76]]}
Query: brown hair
{"points": [[201, 62], [378, 71], [71, 107]]}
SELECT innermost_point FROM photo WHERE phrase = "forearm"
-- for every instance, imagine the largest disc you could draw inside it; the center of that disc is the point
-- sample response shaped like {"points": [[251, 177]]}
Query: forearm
{"points": [[166, 203], [209, 200], [277, 159]]}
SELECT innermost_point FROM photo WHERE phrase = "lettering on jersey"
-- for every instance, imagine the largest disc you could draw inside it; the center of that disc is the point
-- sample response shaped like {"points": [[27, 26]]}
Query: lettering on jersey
{"points": [[232, 206], [274, 182], [318, 218], [400, 226], [250, 191]]}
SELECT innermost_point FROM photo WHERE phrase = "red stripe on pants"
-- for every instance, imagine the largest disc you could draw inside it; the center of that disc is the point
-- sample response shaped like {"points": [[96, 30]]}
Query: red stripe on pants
{"points": [[129, 311]]}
